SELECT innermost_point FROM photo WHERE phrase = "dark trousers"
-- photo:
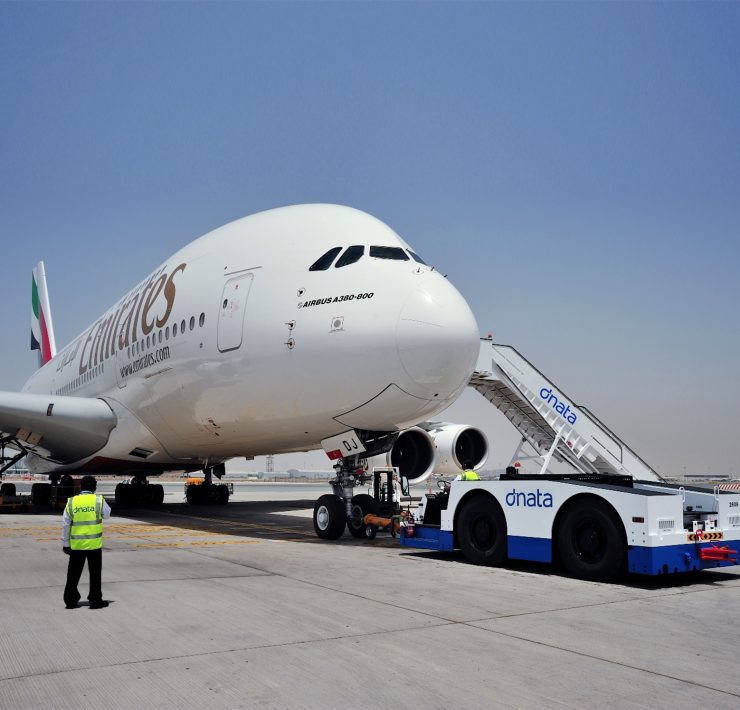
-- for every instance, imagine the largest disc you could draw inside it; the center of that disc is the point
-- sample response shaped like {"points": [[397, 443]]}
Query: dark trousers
{"points": [[74, 571]]}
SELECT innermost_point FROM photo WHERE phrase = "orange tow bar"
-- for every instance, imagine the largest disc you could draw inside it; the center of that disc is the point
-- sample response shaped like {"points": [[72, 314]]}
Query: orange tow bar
{"points": [[393, 524]]}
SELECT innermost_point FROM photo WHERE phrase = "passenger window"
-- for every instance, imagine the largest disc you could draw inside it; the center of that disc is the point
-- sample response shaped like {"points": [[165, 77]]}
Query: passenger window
{"points": [[324, 262], [353, 254], [389, 253], [417, 258]]}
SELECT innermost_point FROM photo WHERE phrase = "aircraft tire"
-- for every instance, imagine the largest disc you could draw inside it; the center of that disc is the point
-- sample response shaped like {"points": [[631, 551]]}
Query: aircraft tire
{"points": [[41, 493], [124, 495], [591, 541], [157, 494], [7, 489], [142, 494], [194, 495], [223, 495], [362, 505], [482, 531], [329, 518]]}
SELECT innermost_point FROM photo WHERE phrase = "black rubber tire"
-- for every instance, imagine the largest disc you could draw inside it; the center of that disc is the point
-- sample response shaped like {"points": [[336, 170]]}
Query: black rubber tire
{"points": [[591, 541], [157, 494], [329, 519], [7, 489], [41, 493], [481, 531], [123, 495], [194, 495], [371, 531], [223, 494], [362, 505], [142, 495]]}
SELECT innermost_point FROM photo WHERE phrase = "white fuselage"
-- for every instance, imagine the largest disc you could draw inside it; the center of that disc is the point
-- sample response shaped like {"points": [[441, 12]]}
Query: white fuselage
{"points": [[233, 347]]}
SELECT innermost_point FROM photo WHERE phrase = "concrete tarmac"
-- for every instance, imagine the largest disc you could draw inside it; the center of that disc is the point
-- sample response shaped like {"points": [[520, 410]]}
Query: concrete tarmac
{"points": [[243, 607]]}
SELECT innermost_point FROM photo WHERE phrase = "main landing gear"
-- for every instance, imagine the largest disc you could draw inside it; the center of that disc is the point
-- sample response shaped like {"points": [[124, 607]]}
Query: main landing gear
{"points": [[139, 493], [206, 492], [55, 493]]}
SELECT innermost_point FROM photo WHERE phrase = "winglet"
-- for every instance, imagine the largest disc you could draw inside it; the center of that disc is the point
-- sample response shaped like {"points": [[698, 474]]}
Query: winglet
{"points": [[42, 329]]}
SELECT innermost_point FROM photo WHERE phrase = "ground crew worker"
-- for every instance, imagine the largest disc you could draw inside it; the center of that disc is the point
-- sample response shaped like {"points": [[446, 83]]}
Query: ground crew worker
{"points": [[82, 539], [468, 473]]}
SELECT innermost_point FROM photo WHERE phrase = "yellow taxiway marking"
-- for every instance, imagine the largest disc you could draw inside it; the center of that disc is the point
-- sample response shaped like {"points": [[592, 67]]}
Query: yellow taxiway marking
{"points": [[108, 527], [211, 528], [250, 526], [10, 532], [198, 543]]}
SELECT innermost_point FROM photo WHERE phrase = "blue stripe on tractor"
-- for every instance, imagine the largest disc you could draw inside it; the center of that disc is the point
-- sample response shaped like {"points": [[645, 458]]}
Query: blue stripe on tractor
{"points": [[532, 549], [671, 559], [428, 538]]}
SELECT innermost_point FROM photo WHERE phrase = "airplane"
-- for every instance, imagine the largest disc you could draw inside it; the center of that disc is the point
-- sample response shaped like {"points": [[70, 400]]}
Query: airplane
{"points": [[293, 329]]}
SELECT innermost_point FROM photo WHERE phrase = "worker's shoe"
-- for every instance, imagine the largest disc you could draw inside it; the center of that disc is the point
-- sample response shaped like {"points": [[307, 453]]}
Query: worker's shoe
{"points": [[99, 605]]}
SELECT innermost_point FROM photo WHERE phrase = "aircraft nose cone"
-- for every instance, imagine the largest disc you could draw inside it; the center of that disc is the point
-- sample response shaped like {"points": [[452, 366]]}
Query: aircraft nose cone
{"points": [[437, 340]]}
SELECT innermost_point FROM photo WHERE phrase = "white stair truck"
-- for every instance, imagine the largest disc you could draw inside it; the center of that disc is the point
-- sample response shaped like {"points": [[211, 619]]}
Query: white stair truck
{"points": [[609, 514]]}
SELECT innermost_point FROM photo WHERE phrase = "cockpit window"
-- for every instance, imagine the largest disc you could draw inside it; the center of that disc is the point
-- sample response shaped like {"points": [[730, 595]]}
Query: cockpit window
{"points": [[389, 253], [417, 258], [324, 262], [353, 254]]}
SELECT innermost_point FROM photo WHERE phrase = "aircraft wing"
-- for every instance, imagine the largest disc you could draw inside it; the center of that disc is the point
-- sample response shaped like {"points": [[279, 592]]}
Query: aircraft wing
{"points": [[62, 429]]}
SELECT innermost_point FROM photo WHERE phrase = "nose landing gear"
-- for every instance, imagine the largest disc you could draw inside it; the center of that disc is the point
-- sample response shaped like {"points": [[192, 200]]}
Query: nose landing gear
{"points": [[362, 514], [339, 509], [334, 511]]}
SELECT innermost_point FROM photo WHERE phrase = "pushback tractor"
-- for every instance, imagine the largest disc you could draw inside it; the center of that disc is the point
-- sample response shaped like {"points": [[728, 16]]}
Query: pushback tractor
{"points": [[597, 528], [608, 514]]}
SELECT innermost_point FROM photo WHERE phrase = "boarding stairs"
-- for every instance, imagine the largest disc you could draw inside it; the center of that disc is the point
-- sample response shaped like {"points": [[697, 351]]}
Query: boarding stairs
{"points": [[548, 420]]}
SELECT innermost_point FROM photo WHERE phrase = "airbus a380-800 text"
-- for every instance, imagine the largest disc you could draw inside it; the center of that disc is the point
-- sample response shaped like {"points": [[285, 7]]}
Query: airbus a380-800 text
{"points": [[283, 331]]}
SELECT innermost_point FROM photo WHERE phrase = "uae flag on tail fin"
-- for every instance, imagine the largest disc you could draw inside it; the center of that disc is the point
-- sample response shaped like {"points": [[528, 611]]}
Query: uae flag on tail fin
{"points": [[42, 331]]}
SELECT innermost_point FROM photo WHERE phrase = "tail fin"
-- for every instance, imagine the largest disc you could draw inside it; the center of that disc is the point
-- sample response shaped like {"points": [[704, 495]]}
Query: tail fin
{"points": [[42, 329]]}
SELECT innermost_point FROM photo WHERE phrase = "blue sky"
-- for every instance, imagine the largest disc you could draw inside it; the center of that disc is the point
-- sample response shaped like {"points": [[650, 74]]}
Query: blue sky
{"points": [[573, 168]]}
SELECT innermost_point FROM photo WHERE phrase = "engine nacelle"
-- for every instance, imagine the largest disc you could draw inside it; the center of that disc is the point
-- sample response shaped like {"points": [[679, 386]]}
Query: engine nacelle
{"points": [[456, 444], [436, 447], [413, 455]]}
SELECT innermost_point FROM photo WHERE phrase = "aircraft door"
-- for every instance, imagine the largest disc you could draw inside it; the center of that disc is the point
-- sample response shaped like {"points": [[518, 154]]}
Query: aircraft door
{"points": [[232, 310]]}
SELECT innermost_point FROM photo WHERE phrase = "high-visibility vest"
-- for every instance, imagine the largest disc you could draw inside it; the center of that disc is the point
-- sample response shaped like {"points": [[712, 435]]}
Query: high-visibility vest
{"points": [[86, 513], [469, 476]]}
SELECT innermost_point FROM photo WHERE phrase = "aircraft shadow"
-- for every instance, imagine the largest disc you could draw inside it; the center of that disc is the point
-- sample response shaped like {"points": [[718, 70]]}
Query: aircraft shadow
{"points": [[276, 520], [268, 520]]}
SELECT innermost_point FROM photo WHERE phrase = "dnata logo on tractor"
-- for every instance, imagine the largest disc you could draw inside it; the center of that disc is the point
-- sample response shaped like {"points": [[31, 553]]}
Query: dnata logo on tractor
{"points": [[529, 499], [562, 408]]}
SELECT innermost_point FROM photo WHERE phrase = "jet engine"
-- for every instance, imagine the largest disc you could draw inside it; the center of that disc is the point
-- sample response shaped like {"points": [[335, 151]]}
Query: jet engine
{"points": [[437, 447]]}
